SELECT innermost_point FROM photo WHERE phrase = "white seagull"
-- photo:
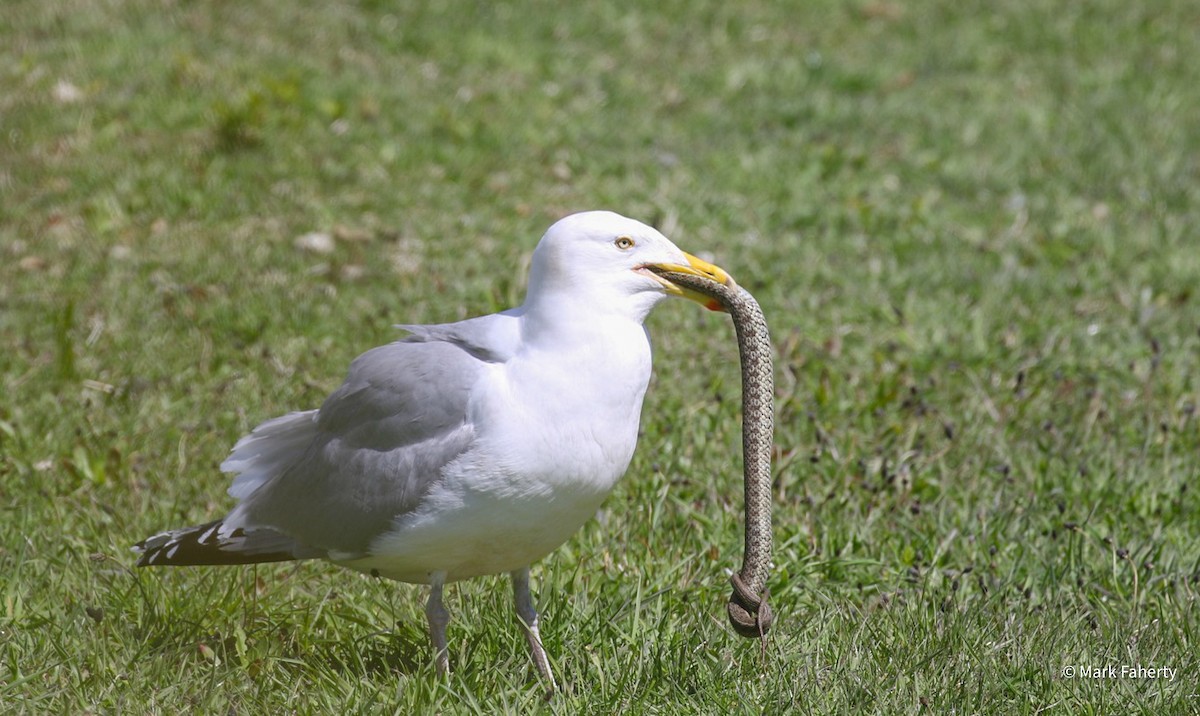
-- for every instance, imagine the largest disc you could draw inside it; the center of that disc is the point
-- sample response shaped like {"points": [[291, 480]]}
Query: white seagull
{"points": [[467, 448]]}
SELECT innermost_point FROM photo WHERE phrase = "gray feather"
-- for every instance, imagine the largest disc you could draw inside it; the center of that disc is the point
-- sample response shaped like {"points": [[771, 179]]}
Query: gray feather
{"points": [[337, 480], [492, 338]]}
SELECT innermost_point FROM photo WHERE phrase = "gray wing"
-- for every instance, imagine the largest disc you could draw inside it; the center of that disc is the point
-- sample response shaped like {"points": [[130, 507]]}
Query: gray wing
{"points": [[493, 338], [336, 478]]}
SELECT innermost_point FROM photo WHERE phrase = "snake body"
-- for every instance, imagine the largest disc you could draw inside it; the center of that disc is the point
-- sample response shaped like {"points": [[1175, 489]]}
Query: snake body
{"points": [[749, 613]]}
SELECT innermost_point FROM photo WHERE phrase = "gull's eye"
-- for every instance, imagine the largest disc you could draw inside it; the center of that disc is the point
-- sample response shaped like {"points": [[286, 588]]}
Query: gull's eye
{"points": [[624, 243]]}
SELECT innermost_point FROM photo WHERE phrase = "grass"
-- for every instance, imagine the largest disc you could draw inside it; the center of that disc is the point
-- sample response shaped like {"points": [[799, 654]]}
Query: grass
{"points": [[973, 227]]}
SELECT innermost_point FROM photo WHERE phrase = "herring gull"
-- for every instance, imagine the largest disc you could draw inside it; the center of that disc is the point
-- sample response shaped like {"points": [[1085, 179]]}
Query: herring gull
{"points": [[467, 448]]}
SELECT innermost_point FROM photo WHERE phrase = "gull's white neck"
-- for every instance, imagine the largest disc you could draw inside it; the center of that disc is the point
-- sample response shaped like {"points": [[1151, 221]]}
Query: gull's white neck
{"points": [[582, 315]]}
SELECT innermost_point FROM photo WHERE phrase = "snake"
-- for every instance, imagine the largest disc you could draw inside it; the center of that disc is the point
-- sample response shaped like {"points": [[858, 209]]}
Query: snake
{"points": [[749, 613]]}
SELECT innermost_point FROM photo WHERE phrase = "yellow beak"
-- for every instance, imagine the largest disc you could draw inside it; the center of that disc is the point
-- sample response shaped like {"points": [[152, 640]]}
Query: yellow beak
{"points": [[696, 267]]}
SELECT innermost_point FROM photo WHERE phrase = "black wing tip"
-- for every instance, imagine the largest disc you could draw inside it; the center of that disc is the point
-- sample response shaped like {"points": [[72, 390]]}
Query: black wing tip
{"points": [[204, 545]]}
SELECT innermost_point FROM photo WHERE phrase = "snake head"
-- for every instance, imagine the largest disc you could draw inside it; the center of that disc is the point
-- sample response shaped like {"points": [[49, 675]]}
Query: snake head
{"points": [[699, 280]]}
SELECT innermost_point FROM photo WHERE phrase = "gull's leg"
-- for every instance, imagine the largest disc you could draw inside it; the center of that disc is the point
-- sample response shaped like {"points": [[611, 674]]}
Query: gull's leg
{"points": [[438, 618], [529, 622]]}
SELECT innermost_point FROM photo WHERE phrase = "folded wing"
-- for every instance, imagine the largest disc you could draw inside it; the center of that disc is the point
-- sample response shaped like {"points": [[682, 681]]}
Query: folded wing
{"points": [[327, 482]]}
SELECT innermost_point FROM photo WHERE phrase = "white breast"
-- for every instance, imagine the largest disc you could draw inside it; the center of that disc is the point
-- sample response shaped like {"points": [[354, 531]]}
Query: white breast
{"points": [[552, 449]]}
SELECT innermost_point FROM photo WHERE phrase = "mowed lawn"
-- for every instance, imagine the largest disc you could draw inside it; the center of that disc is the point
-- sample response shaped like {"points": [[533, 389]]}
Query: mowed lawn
{"points": [[974, 229]]}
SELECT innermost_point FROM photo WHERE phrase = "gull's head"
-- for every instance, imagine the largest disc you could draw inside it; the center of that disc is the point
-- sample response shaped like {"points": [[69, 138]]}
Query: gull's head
{"points": [[605, 259]]}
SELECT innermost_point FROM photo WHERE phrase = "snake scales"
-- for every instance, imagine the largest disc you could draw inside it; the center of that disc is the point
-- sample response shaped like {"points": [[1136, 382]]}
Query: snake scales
{"points": [[749, 613]]}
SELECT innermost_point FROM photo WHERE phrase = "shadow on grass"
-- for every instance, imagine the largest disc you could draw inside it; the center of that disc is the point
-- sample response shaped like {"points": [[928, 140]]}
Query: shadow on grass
{"points": [[226, 626], [404, 649]]}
